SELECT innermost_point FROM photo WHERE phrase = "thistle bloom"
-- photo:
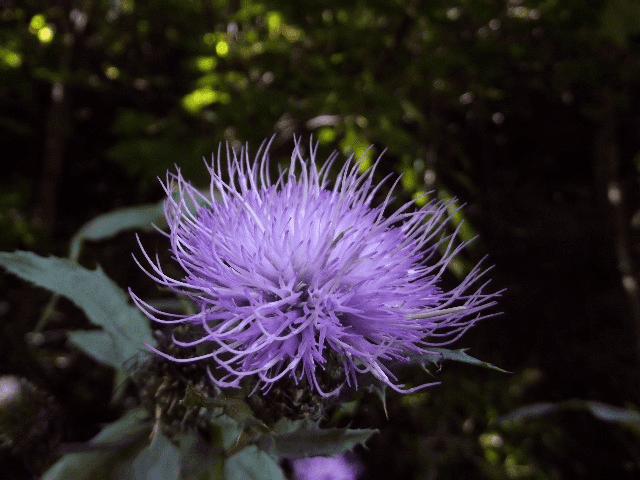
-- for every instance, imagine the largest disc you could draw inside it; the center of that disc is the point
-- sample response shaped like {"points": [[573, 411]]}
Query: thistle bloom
{"points": [[338, 467], [293, 277]]}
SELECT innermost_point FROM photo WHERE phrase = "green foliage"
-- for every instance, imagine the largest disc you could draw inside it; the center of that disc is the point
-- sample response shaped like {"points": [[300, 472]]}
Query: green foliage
{"points": [[117, 445], [125, 331], [159, 461], [303, 438], [438, 355], [103, 227], [252, 464]]}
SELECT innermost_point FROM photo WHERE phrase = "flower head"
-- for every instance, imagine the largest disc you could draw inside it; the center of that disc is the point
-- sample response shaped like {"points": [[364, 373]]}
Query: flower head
{"points": [[295, 276]]}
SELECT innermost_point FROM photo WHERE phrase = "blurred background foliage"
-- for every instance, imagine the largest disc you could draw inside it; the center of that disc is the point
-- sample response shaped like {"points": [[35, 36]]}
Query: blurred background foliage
{"points": [[525, 110]]}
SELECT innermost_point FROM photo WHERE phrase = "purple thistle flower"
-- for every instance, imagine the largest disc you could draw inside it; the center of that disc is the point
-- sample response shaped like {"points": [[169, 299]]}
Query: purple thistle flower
{"points": [[338, 467], [290, 275]]}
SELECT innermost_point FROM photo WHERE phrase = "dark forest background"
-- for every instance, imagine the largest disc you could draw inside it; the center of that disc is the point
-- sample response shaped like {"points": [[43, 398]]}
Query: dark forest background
{"points": [[525, 110]]}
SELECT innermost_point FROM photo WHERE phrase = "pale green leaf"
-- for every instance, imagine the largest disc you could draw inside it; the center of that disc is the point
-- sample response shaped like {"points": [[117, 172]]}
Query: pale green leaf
{"points": [[99, 345], [102, 301], [158, 461], [253, 464], [108, 225]]}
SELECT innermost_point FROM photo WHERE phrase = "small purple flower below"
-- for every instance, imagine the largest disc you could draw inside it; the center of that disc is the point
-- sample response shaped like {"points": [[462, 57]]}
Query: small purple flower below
{"points": [[339, 467], [293, 277]]}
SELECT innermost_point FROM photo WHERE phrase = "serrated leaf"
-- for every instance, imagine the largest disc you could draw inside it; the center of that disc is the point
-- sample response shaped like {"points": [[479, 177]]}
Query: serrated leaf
{"points": [[116, 444], [253, 464], [108, 225], [102, 301], [437, 355], [304, 438]]}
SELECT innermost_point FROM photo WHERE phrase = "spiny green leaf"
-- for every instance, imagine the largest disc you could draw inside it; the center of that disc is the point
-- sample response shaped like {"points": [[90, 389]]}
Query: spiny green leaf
{"points": [[303, 438], [437, 355]]}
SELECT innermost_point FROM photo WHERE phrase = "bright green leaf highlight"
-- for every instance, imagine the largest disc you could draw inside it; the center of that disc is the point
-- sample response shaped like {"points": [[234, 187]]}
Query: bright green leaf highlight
{"points": [[421, 198], [37, 22], [10, 58], [202, 97], [326, 135], [409, 179], [274, 20], [466, 231], [206, 64], [222, 48], [356, 144]]}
